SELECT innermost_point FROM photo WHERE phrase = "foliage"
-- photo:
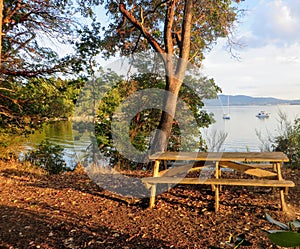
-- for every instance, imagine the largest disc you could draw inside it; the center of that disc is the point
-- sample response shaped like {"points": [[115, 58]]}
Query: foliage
{"points": [[26, 26], [26, 105], [48, 157], [146, 121], [136, 26], [287, 140], [10, 146], [178, 31], [32, 33], [288, 237]]}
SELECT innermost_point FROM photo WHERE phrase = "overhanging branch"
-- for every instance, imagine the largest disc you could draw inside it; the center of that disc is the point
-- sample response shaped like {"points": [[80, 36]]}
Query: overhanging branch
{"points": [[154, 44]]}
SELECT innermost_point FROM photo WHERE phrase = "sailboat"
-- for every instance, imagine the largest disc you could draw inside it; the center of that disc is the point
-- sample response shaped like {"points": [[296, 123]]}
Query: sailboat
{"points": [[226, 115]]}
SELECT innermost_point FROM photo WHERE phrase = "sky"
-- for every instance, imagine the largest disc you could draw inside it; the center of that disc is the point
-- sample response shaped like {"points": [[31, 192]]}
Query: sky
{"points": [[267, 62]]}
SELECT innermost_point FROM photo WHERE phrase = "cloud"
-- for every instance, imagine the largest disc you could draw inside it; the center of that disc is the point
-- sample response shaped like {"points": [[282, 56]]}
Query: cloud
{"points": [[262, 71], [276, 22]]}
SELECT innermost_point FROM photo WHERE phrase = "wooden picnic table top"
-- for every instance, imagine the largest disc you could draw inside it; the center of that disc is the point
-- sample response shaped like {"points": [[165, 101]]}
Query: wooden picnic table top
{"points": [[222, 156]]}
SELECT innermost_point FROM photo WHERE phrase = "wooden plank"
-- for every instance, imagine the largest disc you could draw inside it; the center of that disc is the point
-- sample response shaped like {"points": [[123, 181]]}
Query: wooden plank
{"points": [[262, 165], [229, 182], [222, 156], [183, 169], [197, 168], [248, 169]]}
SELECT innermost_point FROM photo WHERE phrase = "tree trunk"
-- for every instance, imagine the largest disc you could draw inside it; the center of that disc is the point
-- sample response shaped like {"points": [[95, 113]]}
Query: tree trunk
{"points": [[162, 136], [175, 73], [1, 19]]}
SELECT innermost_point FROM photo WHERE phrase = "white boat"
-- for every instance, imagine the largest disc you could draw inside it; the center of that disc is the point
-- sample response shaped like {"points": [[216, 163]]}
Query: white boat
{"points": [[263, 114], [226, 115]]}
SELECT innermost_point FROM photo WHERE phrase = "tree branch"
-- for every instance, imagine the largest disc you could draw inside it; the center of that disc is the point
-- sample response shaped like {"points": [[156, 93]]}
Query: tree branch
{"points": [[185, 45], [31, 73], [154, 44], [169, 20]]}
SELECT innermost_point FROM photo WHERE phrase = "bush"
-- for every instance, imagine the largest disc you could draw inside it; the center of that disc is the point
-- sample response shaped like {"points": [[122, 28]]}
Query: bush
{"points": [[288, 141], [48, 157]]}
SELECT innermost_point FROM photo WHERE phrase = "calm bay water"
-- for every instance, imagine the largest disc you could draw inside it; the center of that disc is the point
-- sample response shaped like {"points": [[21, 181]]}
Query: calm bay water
{"points": [[243, 124], [241, 130]]}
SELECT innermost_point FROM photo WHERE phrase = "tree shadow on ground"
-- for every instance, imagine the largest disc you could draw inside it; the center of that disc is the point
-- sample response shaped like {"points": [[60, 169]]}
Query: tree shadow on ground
{"points": [[77, 180], [22, 228]]}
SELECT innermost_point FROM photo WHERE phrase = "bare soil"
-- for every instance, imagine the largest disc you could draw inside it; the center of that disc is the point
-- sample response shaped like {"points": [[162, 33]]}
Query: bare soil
{"points": [[70, 211]]}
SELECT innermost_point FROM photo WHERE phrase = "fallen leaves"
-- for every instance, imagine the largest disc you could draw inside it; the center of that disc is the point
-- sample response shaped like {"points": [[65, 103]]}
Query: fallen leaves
{"points": [[70, 211]]}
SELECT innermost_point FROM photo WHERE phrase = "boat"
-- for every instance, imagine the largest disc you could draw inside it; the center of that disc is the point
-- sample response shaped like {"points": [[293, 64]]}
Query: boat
{"points": [[226, 115], [263, 114]]}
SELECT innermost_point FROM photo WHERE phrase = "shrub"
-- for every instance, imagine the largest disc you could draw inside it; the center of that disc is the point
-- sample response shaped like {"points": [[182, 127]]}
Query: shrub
{"points": [[288, 141], [48, 157]]}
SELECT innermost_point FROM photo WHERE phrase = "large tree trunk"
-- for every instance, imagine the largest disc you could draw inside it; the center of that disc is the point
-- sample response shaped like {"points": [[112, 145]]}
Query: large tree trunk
{"points": [[162, 136], [175, 72], [1, 18]]}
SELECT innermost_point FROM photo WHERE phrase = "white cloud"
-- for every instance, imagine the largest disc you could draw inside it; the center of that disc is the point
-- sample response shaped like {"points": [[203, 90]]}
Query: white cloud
{"points": [[275, 21], [270, 58], [264, 71]]}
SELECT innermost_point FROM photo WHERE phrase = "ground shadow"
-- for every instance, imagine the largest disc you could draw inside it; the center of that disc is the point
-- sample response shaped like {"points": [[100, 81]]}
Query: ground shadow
{"points": [[22, 228]]}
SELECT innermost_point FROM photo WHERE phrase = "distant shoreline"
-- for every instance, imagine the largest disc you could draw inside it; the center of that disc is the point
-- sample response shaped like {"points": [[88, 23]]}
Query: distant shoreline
{"points": [[244, 100]]}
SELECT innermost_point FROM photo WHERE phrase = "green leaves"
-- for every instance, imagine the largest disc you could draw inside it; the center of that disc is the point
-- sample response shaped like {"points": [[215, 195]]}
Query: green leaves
{"points": [[146, 120], [30, 27], [285, 238], [288, 140]]}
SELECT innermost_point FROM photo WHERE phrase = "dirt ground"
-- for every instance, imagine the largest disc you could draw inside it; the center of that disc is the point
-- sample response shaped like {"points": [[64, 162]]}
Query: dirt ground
{"points": [[70, 211]]}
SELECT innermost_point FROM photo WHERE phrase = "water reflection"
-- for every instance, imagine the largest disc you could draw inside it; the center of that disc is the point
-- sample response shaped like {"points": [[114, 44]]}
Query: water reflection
{"points": [[61, 133]]}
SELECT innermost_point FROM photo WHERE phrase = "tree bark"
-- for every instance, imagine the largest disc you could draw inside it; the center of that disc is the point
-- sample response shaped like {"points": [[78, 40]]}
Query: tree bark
{"points": [[1, 19], [175, 73]]}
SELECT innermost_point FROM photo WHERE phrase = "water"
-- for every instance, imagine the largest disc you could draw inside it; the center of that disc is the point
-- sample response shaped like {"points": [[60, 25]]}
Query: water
{"points": [[61, 133], [241, 130], [243, 125]]}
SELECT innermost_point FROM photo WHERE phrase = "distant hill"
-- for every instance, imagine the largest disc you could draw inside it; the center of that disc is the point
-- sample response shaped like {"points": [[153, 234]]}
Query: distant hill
{"points": [[247, 100]]}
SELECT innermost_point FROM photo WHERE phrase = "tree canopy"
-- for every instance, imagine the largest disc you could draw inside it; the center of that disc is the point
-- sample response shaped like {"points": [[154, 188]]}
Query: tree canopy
{"points": [[179, 31], [30, 29], [183, 28], [30, 64]]}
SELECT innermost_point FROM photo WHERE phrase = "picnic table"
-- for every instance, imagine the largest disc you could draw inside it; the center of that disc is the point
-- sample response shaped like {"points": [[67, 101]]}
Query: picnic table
{"points": [[264, 167]]}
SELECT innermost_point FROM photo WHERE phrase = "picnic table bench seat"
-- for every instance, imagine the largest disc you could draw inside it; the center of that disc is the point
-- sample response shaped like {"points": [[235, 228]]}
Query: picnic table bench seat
{"points": [[220, 181]]}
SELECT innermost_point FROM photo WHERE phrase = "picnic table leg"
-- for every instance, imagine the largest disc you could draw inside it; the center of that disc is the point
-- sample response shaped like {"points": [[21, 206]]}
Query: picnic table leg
{"points": [[283, 204], [217, 188], [153, 188]]}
